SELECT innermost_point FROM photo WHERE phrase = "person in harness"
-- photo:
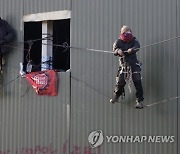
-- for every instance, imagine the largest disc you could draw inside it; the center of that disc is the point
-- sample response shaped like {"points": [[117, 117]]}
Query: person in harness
{"points": [[125, 47], [6, 35]]}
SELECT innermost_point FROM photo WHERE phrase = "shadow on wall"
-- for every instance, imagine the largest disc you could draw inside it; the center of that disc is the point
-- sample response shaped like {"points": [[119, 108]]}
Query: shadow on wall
{"points": [[89, 86], [157, 74], [150, 75]]}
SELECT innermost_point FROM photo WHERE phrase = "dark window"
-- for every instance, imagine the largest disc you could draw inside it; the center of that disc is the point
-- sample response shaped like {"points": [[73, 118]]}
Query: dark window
{"points": [[33, 31], [61, 34]]}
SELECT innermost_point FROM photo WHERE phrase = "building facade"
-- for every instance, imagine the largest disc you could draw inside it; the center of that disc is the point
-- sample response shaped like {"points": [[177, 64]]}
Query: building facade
{"points": [[32, 124]]}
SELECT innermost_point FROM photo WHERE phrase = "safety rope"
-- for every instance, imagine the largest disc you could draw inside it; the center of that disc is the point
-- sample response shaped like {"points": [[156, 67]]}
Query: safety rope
{"points": [[66, 46], [166, 100], [127, 72], [110, 52]]}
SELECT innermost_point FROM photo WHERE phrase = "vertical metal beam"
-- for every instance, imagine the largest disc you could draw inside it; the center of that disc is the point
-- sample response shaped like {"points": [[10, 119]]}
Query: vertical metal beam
{"points": [[47, 48]]}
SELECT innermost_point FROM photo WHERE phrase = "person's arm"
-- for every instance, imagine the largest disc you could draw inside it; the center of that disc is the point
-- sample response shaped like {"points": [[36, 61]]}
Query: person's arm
{"points": [[117, 51], [135, 48], [10, 34]]}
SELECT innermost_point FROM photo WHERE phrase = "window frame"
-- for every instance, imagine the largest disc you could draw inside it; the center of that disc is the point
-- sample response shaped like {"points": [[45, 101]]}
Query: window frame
{"points": [[47, 19]]}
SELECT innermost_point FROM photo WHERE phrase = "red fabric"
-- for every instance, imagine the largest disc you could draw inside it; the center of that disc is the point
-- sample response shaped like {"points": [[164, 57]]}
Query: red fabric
{"points": [[44, 82], [126, 37]]}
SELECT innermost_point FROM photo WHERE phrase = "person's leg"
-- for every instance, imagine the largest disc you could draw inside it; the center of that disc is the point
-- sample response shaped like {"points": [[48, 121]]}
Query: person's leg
{"points": [[120, 83], [136, 77], [119, 87], [139, 90]]}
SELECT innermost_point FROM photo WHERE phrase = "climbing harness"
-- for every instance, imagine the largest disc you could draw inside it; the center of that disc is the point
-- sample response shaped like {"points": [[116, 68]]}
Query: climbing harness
{"points": [[126, 70]]}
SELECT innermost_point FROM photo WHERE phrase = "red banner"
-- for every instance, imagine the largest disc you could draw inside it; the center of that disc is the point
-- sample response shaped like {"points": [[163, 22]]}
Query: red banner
{"points": [[44, 82]]}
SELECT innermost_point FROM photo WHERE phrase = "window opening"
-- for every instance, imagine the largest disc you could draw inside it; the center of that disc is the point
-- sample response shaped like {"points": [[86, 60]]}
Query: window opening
{"points": [[43, 54], [32, 31], [61, 34]]}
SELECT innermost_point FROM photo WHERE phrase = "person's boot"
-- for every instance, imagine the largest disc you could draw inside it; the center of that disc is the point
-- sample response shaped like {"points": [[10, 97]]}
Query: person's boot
{"points": [[139, 104], [114, 99]]}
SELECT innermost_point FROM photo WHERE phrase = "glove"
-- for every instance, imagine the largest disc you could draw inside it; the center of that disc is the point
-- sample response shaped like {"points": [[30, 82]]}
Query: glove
{"points": [[120, 53], [2, 42], [129, 50], [126, 53]]}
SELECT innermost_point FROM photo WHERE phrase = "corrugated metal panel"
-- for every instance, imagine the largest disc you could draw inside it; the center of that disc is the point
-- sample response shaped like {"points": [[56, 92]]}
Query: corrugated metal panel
{"points": [[96, 24], [28, 122], [42, 123], [159, 73], [34, 123], [34, 6], [178, 60], [46, 119], [90, 71], [10, 10]]}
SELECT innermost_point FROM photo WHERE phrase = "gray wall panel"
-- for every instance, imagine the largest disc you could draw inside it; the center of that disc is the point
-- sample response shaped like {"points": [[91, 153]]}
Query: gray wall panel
{"points": [[88, 69], [97, 28], [34, 6], [10, 94], [35, 121], [159, 72], [178, 61], [32, 120]]}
